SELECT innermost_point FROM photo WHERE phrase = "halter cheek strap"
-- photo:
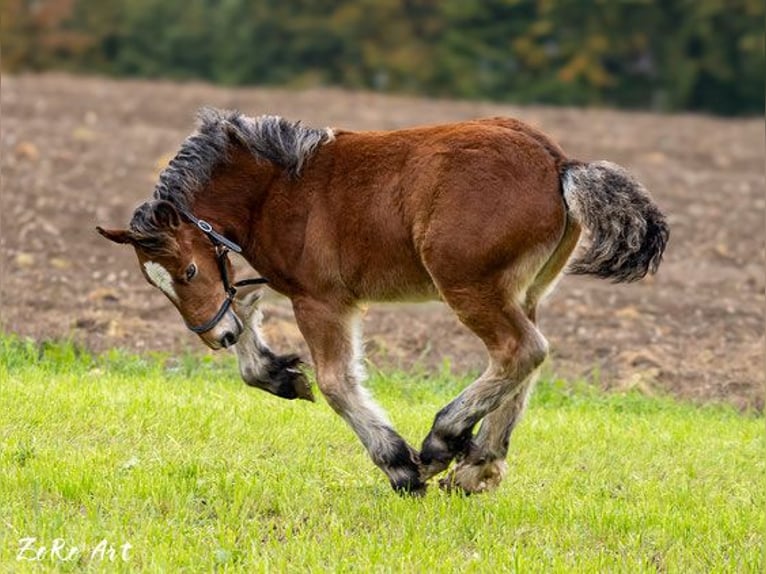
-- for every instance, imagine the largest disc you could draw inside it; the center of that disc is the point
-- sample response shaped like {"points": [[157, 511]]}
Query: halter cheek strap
{"points": [[222, 248], [214, 236]]}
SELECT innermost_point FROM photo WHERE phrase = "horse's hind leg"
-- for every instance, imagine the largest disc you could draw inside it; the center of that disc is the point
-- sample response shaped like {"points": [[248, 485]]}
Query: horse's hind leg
{"points": [[483, 466], [516, 349], [332, 335]]}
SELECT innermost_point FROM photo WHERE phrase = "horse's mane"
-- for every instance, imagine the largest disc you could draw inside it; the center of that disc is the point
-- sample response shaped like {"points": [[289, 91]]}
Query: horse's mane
{"points": [[285, 143]]}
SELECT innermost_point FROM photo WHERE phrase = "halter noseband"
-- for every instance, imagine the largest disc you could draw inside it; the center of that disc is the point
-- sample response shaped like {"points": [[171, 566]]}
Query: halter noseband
{"points": [[222, 248]]}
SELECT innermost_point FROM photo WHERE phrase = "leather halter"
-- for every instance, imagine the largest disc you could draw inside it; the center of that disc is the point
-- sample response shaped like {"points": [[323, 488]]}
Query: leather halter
{"points": [[222, 248]]}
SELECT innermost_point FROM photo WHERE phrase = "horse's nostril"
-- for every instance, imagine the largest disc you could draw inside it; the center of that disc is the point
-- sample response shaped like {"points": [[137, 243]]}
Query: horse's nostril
{"points": [[228, 340]]}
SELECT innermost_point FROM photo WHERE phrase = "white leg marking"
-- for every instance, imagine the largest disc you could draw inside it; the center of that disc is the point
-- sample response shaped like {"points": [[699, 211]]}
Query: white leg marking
{"points": [[161, 278], [365, 416], [252, 351], [476, 478]]}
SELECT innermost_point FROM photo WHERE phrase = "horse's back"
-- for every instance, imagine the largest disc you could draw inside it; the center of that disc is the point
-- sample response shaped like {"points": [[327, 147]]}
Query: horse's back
{"points": [[482, 165], [462, 196]]}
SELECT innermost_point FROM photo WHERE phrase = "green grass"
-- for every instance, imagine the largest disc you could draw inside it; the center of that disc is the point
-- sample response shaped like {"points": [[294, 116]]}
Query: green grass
{"points": [[200, 473]]}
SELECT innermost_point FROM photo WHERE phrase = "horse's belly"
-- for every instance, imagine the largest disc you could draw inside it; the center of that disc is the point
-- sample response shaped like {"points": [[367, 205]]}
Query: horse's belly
{"points": [[389, 275]]}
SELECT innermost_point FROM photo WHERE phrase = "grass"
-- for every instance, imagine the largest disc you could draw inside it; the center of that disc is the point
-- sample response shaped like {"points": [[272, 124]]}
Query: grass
{"points": [[199, 473]]}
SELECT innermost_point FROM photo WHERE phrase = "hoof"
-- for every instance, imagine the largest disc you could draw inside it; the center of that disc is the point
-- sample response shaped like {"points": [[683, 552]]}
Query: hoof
{"points": [[291, 382], [402, 466], [474, 478], [410, 487], [282, 376], [428, 471], [435, 456], [437, 453]]}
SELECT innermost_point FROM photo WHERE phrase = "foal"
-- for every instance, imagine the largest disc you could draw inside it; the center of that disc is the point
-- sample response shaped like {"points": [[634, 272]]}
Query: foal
{"points": [[483, 215]]}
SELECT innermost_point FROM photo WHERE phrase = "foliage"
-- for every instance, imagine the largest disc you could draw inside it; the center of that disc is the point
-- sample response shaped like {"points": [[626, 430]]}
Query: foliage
{"points": [[200, 473], [661, 54]]}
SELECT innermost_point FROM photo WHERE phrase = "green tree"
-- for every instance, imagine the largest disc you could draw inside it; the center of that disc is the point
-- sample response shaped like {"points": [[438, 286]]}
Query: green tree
{"points": [[661, 54]]}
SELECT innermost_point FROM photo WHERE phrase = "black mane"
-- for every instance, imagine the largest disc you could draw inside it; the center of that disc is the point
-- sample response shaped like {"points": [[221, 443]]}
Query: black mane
{"points": [[286, 144]]}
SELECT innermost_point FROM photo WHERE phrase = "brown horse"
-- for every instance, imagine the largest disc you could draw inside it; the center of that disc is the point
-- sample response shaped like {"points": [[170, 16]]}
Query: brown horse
{"points": [[483, 215]]}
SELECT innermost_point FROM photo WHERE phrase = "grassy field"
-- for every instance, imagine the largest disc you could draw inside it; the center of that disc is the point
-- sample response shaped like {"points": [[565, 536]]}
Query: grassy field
{"points": [[198, 473]]}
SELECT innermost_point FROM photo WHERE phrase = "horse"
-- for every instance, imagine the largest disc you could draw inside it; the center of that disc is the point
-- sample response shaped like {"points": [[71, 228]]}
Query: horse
{"points": [[483, 215]]}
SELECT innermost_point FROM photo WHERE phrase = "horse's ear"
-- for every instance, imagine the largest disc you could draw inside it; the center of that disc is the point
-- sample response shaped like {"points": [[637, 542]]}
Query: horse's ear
{"points": [[235, 133], [165, 214], [116, 235]]}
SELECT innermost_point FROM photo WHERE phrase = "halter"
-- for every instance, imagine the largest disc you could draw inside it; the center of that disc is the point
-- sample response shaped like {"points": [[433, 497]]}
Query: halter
{"points": [[222, 248]]}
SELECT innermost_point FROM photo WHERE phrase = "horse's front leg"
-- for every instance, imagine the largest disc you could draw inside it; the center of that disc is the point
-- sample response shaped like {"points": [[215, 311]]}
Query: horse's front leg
{"points": [[259, 366], [332, 334]]}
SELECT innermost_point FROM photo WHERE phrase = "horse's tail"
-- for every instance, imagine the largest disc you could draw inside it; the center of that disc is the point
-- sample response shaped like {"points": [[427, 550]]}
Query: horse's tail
{"points": [[628, 232]]}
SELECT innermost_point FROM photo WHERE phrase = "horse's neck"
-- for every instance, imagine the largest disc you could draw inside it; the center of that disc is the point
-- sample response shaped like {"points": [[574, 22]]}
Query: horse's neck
{"points": [[230, 199]]}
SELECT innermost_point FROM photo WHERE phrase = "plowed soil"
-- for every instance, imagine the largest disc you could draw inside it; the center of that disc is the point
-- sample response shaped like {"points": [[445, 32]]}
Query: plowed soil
{"points": [[77, 152]]}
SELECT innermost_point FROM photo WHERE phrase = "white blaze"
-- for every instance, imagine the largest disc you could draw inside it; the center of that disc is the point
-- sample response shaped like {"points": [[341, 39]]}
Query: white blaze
{"points": [[160, 276]]}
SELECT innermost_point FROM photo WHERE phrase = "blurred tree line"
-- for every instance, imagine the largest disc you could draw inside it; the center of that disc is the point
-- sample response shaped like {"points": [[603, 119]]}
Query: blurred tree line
{"points": [[703, 55]]}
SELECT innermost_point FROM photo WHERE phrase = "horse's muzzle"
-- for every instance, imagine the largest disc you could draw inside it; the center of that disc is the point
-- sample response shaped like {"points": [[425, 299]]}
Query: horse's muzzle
{"points": [[225, 334], [229, 339]]}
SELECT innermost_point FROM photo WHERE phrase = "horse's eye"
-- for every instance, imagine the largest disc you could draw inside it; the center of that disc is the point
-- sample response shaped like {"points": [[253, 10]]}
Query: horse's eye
{"points": [[191, 271]]}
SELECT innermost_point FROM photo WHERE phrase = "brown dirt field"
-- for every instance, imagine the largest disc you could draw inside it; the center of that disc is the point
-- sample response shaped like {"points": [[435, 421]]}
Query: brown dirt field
{"points": [[77, 152]]}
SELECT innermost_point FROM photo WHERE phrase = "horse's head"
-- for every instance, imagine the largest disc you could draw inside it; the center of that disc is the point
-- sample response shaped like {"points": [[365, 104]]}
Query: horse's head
{"points": [[187, 263]]}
